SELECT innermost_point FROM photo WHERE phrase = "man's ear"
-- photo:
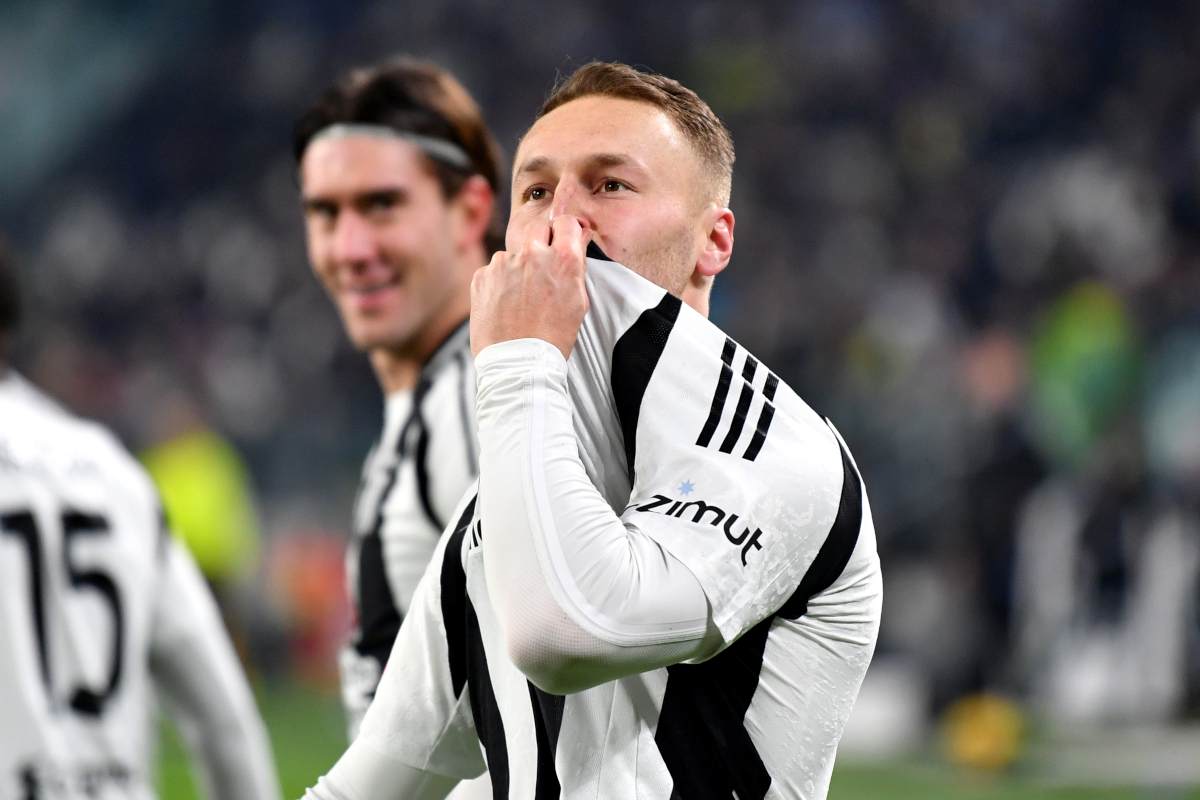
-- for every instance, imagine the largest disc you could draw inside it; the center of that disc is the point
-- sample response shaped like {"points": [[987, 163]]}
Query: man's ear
{"points": [[717, 223], [475, 202]]}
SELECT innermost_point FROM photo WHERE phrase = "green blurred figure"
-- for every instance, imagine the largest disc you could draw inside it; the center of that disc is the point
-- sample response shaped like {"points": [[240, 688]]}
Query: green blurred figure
{"points": [[206, 492], [1086, 362]]}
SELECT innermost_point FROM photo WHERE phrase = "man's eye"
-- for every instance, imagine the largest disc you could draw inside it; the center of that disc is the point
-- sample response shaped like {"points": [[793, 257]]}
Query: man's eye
{"points": [[536, 193], [612, 186], [325, 213]]}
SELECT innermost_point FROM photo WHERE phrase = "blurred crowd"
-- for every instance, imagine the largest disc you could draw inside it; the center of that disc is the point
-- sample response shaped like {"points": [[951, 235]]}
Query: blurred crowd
{"points": [[968, 232]]}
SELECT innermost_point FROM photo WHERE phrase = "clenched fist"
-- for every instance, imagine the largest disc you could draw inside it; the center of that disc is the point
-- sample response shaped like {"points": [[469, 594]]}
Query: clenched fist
{"points": [[537, 292]]}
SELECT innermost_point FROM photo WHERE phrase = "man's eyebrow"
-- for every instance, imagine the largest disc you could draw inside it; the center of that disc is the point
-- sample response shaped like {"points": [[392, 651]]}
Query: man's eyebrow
{"points": [[602, 160], [399, 192], [610, 160], [535, 164]]}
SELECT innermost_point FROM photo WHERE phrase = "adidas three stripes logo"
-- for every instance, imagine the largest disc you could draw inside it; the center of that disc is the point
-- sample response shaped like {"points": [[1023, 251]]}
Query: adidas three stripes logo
{"points": [[721, 395]]}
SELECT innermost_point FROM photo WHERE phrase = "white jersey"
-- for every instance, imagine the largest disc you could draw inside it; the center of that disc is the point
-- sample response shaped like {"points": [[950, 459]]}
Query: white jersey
{"points": [[98, 608], [412, 480], [703, 458]]}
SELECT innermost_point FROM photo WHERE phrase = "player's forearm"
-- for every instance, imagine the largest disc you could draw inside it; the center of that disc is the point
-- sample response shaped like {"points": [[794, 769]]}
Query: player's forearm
{"points": [[582, 599]]}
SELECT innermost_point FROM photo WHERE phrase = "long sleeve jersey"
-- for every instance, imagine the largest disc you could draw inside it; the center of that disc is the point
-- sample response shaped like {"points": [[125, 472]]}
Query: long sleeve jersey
{"points": [[100, 607], [665, 584]]}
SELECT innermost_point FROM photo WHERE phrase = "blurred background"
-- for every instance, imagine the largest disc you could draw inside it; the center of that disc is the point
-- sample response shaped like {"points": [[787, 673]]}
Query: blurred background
{"points": [[968, 232]]}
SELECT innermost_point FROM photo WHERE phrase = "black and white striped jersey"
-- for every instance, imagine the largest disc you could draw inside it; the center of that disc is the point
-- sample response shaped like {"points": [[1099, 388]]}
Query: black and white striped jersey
{"points": [[699, 449], [414, 476], [102, 614]]}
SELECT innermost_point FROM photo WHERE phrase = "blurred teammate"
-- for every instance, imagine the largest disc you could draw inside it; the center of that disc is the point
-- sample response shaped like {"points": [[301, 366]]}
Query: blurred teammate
{"points": [[99, 607], [398, 174], [666, 585]]}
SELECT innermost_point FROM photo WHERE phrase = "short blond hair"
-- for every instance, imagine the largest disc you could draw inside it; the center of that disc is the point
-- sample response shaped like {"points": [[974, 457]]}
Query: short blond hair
{"points": [[703, 130]]}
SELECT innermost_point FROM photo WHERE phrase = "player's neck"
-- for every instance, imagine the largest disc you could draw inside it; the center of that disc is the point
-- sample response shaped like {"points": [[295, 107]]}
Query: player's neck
{"points": [[399, 368]]}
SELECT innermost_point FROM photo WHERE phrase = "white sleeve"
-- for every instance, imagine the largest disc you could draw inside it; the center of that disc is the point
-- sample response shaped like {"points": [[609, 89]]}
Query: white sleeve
{"points": [[583, 597], [204, 689], [364, 773]]}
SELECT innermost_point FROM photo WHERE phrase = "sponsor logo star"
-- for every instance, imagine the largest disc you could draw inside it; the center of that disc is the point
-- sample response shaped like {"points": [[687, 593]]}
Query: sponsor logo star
{"points": [[686, 487]]}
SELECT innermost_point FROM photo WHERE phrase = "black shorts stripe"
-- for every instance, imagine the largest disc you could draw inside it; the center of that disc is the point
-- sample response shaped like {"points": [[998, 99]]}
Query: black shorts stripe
{"points": [[454, 601], [839, 545], [547, 722], [635, 357], [739, 418], [719, 396], [760, 432]]}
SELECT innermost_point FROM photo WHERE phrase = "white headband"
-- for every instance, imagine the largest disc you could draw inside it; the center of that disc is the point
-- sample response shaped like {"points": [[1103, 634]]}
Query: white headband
{"points": [[437, 149]]}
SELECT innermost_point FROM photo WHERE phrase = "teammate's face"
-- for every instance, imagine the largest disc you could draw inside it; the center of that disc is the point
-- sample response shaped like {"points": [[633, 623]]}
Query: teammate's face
{"points": [[381, 238], [627, 172]]}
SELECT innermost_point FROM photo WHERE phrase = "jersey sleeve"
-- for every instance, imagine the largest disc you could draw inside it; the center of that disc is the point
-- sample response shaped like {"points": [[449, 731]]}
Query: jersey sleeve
{"points": [[421, 713], [203, 687], [732, 473]]}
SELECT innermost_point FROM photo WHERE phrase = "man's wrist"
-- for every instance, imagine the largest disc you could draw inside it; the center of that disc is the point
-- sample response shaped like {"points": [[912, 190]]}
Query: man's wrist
{"points": [[520, 353]]}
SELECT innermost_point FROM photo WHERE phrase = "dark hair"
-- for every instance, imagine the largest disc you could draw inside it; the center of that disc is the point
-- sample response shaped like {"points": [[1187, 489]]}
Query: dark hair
{"points": [[695, 119], [414, 96], [10, 299]]}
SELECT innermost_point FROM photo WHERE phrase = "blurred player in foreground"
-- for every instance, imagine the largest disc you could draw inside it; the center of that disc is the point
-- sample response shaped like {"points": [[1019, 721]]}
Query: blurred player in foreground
{"points": [[666, 585], [100, 607], [398, 174]]}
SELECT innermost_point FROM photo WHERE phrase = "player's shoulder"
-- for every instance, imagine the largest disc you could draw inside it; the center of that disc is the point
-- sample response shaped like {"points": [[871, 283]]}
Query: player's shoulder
{"points": [[37, 428], [653, 337]]}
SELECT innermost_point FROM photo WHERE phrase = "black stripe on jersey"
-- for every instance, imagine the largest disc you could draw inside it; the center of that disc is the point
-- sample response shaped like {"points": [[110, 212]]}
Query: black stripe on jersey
{"points": [[838, 547], [486, 711], [760, 432], [547, 722], [770, 386], [634, 359], [701, 732], [739, 418], [594, 251], [468, 662], [422, 454], [454, 599], [378, 619], [722, 392]]}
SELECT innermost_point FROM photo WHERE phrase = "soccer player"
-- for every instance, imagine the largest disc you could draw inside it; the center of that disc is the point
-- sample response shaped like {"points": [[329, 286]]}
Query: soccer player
{"points": [[398, 174], [666, 584], [100, 607]]}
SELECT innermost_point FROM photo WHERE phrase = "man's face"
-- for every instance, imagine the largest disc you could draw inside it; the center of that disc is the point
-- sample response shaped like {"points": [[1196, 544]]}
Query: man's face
{"points": [[381, 237], [627, 173]]}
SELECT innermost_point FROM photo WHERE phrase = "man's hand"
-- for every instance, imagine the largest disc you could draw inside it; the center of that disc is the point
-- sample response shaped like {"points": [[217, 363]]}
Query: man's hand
{"points": [[535, 293]]}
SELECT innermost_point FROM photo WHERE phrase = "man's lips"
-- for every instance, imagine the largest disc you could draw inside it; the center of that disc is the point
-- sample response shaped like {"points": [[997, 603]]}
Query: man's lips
{"points": [[369, 294]]}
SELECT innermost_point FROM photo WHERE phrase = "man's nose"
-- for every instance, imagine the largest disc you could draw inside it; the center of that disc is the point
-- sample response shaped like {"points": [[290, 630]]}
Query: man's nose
{"points": [[353, 239], [570, 198]]}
